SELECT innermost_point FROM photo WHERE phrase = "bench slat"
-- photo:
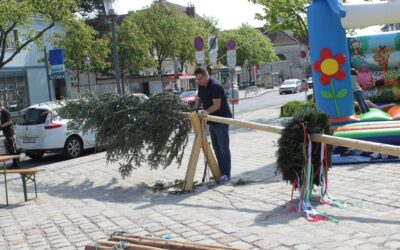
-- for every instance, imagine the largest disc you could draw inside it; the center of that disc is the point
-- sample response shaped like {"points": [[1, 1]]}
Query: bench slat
{"points": [[21, 171]]}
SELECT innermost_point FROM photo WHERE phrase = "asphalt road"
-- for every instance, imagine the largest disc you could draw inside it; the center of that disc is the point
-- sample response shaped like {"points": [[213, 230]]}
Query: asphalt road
{"points": [[267, 100]]}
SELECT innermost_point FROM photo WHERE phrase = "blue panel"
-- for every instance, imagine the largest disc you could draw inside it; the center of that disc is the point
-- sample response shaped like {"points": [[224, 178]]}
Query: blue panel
{"points": [[56, 56], [334, 97]]}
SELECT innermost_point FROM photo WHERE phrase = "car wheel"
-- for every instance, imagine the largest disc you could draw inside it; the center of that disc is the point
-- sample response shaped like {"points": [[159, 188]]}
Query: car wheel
{"points": [[35, 156], [280, 93], [73, 147]]}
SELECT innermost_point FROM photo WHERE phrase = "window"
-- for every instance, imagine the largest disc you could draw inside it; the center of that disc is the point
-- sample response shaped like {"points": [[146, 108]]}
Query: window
{"points": [[32, 116], [12, 40], [281, 57]]}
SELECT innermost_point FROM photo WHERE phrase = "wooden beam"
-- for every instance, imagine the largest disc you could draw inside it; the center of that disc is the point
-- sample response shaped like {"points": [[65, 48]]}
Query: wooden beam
{"points": [[168, 244], [357, 144], [244, 124], [194, 155], [209, 153]]}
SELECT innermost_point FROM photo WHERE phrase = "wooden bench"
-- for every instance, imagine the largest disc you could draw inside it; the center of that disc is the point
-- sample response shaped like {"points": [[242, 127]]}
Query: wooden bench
{"points": [[26, 175]]}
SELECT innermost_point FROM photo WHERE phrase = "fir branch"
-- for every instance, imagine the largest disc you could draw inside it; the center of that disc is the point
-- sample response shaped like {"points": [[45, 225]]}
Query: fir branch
{"points": [[134, 132]]}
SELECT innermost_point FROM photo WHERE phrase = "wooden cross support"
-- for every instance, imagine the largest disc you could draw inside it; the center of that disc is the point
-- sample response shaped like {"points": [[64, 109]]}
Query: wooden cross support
{"points": [[200, 143]]}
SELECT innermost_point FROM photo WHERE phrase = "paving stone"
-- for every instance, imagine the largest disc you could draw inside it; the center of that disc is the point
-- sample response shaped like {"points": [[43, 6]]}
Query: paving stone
{"points": [[392, 244]]}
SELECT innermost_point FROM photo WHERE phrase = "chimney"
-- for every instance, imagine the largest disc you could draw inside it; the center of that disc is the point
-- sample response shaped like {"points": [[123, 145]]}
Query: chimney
{"points": [[190, 11]]}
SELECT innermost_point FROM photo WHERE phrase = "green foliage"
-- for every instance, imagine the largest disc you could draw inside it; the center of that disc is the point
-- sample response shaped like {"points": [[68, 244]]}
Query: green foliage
{"points": [[293, 107], [80, 35], [16, 14], [134, 46], [132, 130], [290, 157], [285, 15], [165, 30], [251, 45]]}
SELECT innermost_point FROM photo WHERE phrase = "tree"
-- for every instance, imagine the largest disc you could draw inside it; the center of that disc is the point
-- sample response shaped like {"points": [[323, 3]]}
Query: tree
{"points": [[164, 29], [285, 15], [16, 14], [252, 46], [134, 46], [189, 30], [80, 42]]}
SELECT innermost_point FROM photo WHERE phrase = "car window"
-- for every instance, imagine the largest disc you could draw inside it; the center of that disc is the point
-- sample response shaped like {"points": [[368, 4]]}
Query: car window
{"points": [[289, 82], [32, 116], [188, 94]]}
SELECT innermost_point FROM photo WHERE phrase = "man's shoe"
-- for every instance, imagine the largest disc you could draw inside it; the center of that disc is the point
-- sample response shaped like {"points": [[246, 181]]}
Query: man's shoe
{"points": [[224, 178]]}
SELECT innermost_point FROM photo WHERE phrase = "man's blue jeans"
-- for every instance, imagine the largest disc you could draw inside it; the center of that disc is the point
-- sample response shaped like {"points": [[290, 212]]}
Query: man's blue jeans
{"points": [[220, 141]]}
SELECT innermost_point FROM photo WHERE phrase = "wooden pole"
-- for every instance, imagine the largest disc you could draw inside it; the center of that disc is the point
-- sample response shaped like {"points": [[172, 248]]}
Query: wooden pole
{"points": [[357, 144], [168, 244], [122, 245], [244, 124], [209, 153]]}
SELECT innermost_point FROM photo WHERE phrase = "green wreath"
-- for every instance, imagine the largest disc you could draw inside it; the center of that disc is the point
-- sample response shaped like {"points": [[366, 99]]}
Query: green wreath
{"points": [[290, 154]]}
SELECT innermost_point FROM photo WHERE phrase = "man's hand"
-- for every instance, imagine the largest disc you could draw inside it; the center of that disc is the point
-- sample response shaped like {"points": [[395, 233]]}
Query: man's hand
{"points": [[203, 112]]}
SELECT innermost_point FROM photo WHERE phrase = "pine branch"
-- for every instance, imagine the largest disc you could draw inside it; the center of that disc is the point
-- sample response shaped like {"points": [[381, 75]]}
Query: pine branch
{"points": [[134, 132]]}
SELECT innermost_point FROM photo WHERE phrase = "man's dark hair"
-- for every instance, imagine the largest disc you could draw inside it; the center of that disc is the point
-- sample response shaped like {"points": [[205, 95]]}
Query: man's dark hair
{"points": [[354, 72], [200, 71]]}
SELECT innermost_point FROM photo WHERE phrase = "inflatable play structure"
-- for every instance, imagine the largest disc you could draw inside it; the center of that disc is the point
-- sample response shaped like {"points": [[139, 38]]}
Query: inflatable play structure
{"points": [[376, 57]]}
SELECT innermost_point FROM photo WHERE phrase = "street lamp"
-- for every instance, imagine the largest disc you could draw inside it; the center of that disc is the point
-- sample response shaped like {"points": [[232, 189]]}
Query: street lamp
{"points": [[87, 63], [111, 11]]}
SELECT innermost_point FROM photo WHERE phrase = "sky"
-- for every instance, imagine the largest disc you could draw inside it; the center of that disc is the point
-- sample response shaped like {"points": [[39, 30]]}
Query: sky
{"points": [[229, 13]]}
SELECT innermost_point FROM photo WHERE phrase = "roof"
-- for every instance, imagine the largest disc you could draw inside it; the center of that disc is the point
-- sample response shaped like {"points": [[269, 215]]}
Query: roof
{"points": [[279, 37], [187, 10]]}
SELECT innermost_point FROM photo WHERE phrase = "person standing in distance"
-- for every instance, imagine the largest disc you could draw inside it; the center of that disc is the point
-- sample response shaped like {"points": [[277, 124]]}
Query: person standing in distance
{"points": [[8, 132], [212, 95]]}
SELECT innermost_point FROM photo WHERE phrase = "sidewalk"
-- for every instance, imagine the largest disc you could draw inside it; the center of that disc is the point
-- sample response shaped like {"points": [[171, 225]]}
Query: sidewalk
{"points": [[84, 199], [254, 92]]}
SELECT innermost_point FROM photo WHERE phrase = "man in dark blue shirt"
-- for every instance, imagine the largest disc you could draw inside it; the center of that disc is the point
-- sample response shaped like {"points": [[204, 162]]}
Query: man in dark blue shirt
{"points": [[212, 95]]}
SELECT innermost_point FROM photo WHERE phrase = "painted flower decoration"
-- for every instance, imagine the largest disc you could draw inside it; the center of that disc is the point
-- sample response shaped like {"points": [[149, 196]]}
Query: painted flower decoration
{"points": [[330, 66]]}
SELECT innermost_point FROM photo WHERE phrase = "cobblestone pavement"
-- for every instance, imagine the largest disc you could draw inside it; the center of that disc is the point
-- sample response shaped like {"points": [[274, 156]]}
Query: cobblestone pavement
{"points": [[82, 200]]}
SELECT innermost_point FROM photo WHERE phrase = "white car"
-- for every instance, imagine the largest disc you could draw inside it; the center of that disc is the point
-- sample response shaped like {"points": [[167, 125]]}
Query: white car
{"points": [[41, 130], [290, 86]]}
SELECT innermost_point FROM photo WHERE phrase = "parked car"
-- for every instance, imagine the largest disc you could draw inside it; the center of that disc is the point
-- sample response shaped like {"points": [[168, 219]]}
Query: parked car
{"points": [[243, 85], [310, 82], [142, 96], [41, 130], [290, 86], [189, 97]]}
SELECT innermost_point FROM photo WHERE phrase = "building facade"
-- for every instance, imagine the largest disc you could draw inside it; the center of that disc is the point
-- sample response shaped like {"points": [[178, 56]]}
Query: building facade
{"points": [[24, 81]]}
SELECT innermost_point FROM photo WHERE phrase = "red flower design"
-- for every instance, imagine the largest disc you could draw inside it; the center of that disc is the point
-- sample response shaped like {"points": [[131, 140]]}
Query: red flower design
{"points": [[329, 66]]}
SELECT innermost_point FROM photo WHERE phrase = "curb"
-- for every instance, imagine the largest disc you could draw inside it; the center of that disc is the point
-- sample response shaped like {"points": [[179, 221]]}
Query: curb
{"points": [[263, 93]]}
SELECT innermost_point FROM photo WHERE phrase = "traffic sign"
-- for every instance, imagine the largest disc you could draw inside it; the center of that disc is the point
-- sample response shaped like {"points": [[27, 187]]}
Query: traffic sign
{"points": [[213, 56], [231, 44], [198, 43], [231, 58], [200, 57], [212, 43]]}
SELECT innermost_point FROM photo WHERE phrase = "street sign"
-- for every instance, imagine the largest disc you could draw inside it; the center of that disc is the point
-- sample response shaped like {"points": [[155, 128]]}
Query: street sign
{"points": [[57, 66], [200, 57], [198, 43], [213, 48], [212, 43], [231, 58], [213, 56], [231, 44]]}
